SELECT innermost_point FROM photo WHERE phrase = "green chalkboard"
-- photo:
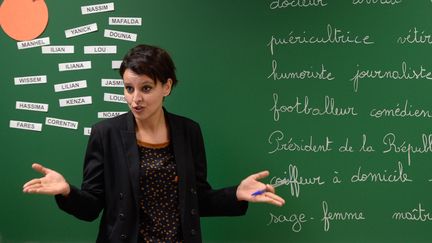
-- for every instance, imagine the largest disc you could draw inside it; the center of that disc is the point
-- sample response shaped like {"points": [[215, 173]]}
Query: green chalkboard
{"points": [[332, 97]]}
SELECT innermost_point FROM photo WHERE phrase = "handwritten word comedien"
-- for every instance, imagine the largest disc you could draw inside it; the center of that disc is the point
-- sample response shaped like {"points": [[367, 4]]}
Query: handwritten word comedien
{"points": [[296, 3], [398, 111], [329, 108], [415, 37], [277, 138], [416, 214], [398, 176], [296, 220], [394, 146], [382, 2], [295, 181], [403, 73], [304, 74], [338, 216], [334, 36]]}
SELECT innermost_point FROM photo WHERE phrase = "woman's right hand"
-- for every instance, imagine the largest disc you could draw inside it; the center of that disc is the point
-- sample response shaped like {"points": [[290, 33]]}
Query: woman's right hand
{"points": [[52, 183]]}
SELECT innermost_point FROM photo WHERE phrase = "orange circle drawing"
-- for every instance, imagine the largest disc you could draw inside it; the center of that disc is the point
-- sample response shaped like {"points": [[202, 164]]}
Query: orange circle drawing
{"points": [[23, 19]]}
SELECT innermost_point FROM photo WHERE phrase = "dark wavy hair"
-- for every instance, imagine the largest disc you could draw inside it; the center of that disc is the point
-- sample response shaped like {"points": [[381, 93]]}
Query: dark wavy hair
{"points": [[149, 60]]}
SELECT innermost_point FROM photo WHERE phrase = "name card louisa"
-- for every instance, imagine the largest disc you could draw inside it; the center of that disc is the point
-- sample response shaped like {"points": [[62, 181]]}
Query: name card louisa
{"points": [[84, 100], [100, 49], [112, 83], [71, 66], [55, 122], [58, 49], [25, 125], [119, 35], [114, 98], [98, 8], [85, 29], [70, 86], [33, 43], [125, 21], [30, 80], [30, 106]]}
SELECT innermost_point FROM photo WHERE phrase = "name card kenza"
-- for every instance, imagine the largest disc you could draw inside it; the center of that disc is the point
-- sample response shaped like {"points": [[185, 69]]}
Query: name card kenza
{"points": [[112, 83], [70, 86], [113, 34], [30, 80], [58, 49], [55, 122], [71, 66], [98, 8], [21, 105], [84, 100], [85, 29], [125, 21], [25, 125], [100, 49], [114, 98], [33, 43]]}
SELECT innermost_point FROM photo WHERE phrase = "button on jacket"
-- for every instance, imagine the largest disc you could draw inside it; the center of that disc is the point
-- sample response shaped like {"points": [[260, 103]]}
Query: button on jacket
{"points": [[111, 180]]}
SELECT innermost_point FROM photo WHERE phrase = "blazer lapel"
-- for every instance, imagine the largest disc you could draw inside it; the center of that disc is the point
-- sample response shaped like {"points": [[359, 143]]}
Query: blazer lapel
{"points": [[132, 154]]}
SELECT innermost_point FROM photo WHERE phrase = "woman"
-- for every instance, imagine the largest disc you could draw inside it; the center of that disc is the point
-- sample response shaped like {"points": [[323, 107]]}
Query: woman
{"points": [[146, 169]]}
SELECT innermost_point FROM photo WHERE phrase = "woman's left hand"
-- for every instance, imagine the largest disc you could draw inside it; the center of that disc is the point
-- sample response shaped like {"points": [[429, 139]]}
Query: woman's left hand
{"points": [[251, 185]]}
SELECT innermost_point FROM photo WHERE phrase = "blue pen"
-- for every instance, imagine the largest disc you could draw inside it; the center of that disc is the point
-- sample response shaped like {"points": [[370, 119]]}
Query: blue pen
{"points": [[259, 192]]}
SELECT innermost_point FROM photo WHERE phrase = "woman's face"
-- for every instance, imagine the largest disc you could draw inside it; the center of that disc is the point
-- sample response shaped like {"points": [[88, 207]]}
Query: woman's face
{"points": [[144, 95]]}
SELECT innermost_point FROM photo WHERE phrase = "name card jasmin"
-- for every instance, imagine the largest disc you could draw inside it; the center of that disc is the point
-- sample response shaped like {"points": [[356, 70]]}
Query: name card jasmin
{"points": [[21, 105], [85, 29], [70, 86], [71, 66], [33, 43], [25, 125], [112, 83]]}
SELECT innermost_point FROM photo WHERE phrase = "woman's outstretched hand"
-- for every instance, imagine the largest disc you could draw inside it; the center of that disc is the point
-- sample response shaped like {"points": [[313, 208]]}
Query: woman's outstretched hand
{"points": [[250, 185], [52, 183]]}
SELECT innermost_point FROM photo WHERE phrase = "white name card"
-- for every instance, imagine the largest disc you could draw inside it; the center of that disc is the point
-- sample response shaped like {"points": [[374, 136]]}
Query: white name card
{"points": [[84, 100], [30, 80], [113, 34], [71, 66], [55, 122], [115, 64], [87, 131], [125, 21], [98, 8], [25, 125], [33, 43], [58, 49], [21, 105], [85, 29], [70, 86], [110, 114], [114, 98], [100, 49], [112, 83]]}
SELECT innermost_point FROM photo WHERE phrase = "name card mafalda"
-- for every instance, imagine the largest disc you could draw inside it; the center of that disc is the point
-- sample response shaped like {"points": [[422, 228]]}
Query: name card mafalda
{"points": [[128, 21]]}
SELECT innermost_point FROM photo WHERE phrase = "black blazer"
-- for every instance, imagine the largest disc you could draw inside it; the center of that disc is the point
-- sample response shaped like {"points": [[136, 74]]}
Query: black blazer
{"points": [[111, 180]]}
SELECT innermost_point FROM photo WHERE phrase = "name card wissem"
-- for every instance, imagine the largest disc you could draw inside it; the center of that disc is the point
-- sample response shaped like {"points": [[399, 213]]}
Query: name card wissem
{"points": [[30, 106], [30, 80], [84, 100], [25, 125], [97, 8], [33, 43], [112, 83], [55, 122], [85, 29], [125, 21], [72, 66], [114, 98], [58, 49], [113, 34], [70, 86], [100, 49]]}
